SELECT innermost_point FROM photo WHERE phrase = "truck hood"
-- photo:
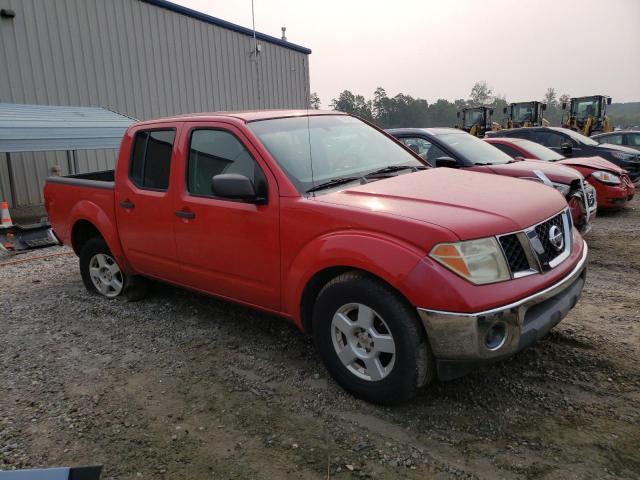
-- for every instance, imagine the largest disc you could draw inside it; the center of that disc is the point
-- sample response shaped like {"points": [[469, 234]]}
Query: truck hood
{"points": [[596, 163], [526, 168], [470, 204]]}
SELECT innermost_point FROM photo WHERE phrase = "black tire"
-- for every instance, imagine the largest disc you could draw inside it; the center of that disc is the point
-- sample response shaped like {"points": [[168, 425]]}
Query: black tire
{"points": [[133, 288], [413, 366]]}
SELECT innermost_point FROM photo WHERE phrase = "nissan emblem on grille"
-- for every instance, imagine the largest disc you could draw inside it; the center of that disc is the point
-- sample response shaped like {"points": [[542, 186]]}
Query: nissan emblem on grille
{"points": [[556, 238]]}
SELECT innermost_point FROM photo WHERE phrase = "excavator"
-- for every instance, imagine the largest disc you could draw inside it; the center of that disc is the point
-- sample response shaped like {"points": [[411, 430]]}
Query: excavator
{"points": [[476, 120], [525, 114], [587, 115]]}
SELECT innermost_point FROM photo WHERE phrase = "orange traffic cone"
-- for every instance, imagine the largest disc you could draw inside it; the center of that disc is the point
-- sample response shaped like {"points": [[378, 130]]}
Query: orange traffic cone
{"points": [[6, 218]]}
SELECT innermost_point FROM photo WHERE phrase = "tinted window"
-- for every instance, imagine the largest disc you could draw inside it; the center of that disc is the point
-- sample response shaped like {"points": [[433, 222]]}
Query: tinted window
{"points": [[517, 134], [512, 152], [137, 159], [472, 149], [577, 137], [633, 139], [551, 139], [613, 139], [539, 151], [212, 152], [424, 148], [151, 159]]}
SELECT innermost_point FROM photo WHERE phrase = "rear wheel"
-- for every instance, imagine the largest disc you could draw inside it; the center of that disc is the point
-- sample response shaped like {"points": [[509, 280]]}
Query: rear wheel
{"points": [[100, 272], [371, 340]]}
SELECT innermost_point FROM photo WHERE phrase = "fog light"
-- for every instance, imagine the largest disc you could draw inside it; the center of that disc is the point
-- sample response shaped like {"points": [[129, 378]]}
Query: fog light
{"points": [[496, 336]]}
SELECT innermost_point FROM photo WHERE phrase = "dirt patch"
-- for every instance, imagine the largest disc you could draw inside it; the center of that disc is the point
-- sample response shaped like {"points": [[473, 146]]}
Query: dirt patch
{"points": [[182, 386]]}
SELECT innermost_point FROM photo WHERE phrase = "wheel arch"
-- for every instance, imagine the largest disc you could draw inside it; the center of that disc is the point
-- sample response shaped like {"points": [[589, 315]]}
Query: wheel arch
{"points": [[321, 278], [90, 220], [385, 259]]}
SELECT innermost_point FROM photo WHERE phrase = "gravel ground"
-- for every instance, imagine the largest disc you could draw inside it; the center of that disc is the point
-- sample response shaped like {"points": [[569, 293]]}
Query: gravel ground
{"points": [[183, 386]]}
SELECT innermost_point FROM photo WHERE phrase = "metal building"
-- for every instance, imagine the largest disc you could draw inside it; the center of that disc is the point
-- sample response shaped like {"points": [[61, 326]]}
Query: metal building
{"points": [[140, 58]]}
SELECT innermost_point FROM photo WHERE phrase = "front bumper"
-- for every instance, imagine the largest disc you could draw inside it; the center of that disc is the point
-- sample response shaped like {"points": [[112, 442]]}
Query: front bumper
{"points": [[459, 340]]}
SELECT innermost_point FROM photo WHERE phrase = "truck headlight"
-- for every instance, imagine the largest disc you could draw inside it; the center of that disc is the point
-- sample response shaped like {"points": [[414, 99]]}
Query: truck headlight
{"points": [[606, 177], [479, 261]]}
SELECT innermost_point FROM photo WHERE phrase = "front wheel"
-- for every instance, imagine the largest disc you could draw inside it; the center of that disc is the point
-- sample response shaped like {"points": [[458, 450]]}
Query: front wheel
{"points": [[371, 340]]}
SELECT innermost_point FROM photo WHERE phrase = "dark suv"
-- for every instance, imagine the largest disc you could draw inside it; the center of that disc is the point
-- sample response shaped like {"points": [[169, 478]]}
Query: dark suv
{"points": [[628, 138], [570, 143]]}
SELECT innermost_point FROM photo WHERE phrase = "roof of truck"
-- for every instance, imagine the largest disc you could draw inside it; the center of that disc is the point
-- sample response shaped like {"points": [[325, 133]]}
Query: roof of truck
{"points": [[244, 115]]}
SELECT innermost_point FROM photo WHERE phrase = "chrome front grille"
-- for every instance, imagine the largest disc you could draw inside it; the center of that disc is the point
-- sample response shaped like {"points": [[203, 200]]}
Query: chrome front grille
{"points": [[540, 247]]}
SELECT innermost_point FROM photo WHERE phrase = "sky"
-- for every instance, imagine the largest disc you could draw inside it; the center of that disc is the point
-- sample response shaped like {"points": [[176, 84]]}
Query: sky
{"points": [[439, 48]]}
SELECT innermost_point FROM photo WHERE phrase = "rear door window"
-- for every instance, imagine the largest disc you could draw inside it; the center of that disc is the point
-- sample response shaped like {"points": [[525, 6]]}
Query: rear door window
{"points": [[151, 159]]}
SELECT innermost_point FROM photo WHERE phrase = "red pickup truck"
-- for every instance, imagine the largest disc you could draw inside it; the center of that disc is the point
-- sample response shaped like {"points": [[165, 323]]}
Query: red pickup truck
{"points": [[400, 272]]}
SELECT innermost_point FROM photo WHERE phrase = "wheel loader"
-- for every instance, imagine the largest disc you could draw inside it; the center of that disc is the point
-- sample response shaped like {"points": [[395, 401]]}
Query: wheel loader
{"points": [[587, 115], [525, 114], [476, 120]]}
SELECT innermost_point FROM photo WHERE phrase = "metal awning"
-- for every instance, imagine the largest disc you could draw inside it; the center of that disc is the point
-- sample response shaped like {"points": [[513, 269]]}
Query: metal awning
{"points": [[38, 128]]}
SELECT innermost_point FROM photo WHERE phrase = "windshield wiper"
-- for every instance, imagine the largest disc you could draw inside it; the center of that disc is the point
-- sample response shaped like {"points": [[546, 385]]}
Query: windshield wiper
{"points": [[480, 164], [394, 168], [332, 183]]}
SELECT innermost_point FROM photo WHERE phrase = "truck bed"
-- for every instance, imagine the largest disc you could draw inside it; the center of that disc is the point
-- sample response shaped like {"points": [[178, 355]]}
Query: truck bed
{"points": [[102, 179], [80, 196]]}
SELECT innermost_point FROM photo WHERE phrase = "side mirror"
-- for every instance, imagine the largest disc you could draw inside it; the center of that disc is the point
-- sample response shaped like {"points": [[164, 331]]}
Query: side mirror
{"points": [[458, 114], [564, 105], [447, 162], [504, 110], [609, 101], [566, 148], [544, 106], [234, 186]]}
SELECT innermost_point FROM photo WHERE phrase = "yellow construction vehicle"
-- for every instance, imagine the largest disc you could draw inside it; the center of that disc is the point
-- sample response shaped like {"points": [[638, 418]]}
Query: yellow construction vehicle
{"points": [[587, 115], [476, 120], [525, 114]]}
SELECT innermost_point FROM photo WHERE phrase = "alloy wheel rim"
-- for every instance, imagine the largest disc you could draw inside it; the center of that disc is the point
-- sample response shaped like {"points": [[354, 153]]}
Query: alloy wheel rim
{"points": [[106, 275], [363, 342]]}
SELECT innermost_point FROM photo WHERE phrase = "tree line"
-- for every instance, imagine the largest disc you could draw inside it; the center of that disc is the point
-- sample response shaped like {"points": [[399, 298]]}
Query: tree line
{"points": [[404, 110]]}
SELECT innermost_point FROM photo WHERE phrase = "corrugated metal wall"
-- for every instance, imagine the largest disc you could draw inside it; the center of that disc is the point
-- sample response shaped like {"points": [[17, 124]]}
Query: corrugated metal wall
{"points": [[134, 58]]}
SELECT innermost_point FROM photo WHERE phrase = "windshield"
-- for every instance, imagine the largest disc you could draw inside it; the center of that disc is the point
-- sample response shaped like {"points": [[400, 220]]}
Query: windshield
{"points": [[316, 149], [473, 117], [474, 150], [539, 151], [589, 107], [523, 113], [578, 137]]}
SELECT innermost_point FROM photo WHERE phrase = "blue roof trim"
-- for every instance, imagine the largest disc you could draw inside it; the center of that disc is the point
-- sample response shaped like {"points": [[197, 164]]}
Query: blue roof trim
{"points": [[224, 24]]}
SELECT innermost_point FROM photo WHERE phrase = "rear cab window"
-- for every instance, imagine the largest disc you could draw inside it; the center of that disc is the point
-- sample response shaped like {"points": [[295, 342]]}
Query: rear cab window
{"points": [[150, 162]]}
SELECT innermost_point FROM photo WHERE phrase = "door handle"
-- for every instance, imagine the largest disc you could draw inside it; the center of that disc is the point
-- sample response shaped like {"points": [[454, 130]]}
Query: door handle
{"points": [[127, 204], [185, 214]]}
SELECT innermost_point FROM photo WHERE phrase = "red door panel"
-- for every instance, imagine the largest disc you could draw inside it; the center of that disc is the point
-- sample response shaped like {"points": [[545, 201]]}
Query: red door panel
{"points": [[144, 206], [227, 248]]}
